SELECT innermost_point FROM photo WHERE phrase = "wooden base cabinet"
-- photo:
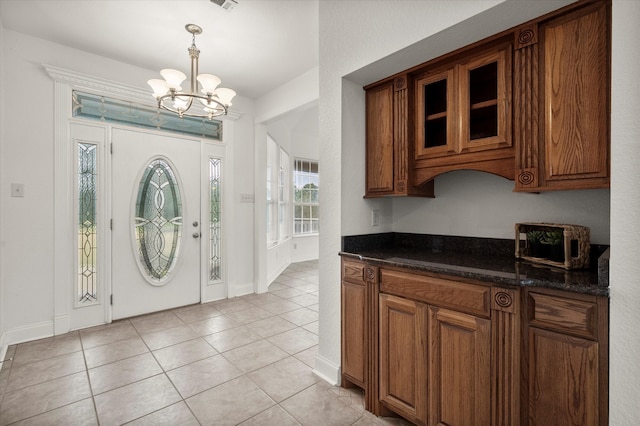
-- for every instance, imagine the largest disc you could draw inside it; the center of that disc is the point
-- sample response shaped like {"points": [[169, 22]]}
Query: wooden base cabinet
{"points": [[567, 359], [459, 368], [403, 357], [354, 327]]}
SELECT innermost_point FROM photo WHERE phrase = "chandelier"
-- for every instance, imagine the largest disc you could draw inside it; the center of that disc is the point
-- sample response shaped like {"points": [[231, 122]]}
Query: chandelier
{"points": [[213, 100]]}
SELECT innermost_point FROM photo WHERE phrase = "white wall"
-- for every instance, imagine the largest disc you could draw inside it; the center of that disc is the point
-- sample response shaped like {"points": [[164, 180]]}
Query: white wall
{"points": [[27, 146], [624, 387], [2, 190], [361, 45], [287, 113]]}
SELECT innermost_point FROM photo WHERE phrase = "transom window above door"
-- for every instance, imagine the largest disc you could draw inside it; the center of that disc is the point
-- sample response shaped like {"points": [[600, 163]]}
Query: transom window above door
{"points": [[104, 108]]}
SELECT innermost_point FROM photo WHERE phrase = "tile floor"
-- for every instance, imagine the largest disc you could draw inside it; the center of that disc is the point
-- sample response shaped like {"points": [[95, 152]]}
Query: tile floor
{"points": [[246, 360]]}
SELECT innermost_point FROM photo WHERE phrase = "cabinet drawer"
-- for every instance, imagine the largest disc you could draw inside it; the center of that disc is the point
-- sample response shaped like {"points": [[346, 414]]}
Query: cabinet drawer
{"points": [[474, 299], [353, 271], [567, 315]]}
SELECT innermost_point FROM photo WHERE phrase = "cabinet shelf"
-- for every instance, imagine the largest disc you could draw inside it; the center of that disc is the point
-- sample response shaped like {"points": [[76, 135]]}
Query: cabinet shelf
{"points": [[489, 103]]}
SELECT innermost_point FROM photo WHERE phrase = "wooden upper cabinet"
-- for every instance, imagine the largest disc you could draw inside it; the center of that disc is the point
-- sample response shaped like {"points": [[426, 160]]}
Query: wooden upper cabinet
{"points": [[564, 142], [380, 140], [388, 141], [463, 115]]}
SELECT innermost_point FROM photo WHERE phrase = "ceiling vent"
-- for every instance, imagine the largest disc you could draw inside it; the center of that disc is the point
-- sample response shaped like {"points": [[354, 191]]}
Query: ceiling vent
{"points": [[227, 5]]}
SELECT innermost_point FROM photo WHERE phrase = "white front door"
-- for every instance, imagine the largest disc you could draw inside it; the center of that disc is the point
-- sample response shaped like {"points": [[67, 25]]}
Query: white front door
{"points": [[156, 222]]}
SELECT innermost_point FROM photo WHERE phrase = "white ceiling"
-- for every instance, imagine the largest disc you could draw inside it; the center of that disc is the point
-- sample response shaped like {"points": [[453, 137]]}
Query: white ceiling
{"points": [[254, 48]]}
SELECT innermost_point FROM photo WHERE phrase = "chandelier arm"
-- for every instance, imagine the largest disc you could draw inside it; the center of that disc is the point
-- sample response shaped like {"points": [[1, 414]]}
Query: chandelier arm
{"points": [[220, 108]]}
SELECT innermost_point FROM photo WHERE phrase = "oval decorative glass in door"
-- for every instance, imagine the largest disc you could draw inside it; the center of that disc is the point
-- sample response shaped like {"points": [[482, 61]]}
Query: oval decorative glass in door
{"points": [[158, 221]]}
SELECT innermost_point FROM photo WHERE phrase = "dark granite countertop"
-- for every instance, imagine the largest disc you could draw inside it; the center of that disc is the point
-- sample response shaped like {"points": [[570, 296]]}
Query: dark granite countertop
{"points": [[482, 259]]}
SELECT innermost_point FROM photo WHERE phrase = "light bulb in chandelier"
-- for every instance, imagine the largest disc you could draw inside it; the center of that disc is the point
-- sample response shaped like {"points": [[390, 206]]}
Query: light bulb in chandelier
{"points": [[214, 100]]}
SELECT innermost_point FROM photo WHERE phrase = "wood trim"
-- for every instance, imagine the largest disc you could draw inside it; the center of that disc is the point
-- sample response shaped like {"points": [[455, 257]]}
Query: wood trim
{"points": [[505, 356]]}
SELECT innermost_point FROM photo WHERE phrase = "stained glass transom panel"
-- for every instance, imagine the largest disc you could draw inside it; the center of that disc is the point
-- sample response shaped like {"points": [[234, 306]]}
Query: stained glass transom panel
{"points": [[87, 223], [158, 221], [215, 249]]}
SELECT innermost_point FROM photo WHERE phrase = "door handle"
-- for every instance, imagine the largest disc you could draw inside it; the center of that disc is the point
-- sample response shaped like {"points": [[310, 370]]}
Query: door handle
{"points": [[196, 235]]}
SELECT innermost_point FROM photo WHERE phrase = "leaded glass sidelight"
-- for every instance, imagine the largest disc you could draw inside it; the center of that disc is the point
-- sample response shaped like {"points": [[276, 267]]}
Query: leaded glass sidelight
{"points": [[158, 221], [87, 223], [215, 249]]}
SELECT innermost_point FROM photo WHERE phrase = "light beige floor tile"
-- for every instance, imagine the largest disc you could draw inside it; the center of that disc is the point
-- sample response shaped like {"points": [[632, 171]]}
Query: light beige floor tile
{"points": [[138, 399], [270, 326], [369, 419], [123, 372], [286, 292], [176, 414], [317, 406], [305, 300], [37, 399], [274, 287], [196, 313], [45, 370], [294, 341], [202, 375], [108, 333], [81, 413], [254, 355], [280, 307], [230, 403], [273, 416], [155, 322], [183, 353], [284, 378], [231, 305], [230, 339], [213, 325], [301, 316], [249, 315], [312, 327], [306, 287], [112, 352], [50, 347], [308, 356], [168, 337], [261, 299]]}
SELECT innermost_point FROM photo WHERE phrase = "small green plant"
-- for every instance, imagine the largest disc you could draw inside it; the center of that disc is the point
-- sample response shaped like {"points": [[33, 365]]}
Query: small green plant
{"points": [[535, 236], [552, 238]]}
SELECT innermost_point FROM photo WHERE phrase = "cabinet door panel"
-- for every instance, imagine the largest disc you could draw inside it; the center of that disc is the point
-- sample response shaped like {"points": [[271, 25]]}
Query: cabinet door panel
{"points": [[380, 140], [353, 332], [484, 96], [576, 96], [563, 379], [436, 115], [403, 378], [459, 368]]}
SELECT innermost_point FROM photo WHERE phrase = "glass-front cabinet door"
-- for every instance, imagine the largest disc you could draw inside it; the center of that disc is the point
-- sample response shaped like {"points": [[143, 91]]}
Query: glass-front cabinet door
{"points": [[484, 94], [436, 124], [464, 108]]}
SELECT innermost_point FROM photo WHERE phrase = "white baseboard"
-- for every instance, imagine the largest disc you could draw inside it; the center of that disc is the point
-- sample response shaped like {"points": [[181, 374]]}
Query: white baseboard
{"points": [[327, 370], [3, 349], [240, 290], [61, 324], [28, 333]]}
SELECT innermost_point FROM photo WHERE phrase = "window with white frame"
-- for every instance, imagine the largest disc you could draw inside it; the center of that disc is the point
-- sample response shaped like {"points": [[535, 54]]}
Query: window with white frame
{"points": [[278, 198], [306, 219]]}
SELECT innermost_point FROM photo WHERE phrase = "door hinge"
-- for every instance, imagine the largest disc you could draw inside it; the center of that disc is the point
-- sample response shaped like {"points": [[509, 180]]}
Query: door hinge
{"points": [[111, 300], [111, 148], [111, 224]]}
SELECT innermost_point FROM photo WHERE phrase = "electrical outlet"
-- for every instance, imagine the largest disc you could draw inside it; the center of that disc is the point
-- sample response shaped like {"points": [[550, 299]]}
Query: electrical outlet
{"points": [[375, 217], [17, 190]]}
